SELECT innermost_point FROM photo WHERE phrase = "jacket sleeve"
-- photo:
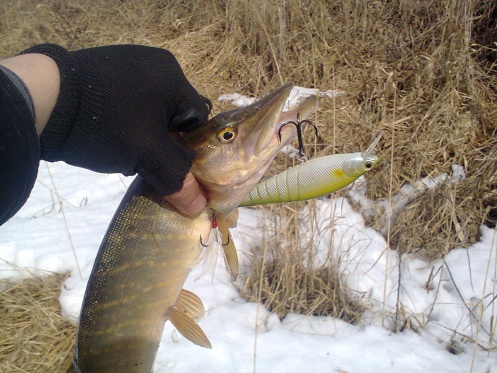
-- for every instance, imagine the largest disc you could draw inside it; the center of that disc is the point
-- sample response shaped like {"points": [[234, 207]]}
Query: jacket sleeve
{"points": [[19, 144]]}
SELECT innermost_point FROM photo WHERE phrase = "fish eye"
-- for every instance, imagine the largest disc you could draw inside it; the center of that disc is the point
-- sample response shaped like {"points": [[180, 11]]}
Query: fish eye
{"points": [[227, 135], [368, 164]]}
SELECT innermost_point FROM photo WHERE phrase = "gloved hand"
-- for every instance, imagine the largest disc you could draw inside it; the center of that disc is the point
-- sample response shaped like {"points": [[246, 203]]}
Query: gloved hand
{"points": [[115, 108]]}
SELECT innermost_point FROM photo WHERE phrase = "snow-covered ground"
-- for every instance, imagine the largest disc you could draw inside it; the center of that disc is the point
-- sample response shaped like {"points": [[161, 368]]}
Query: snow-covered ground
{"points": [[61, 226]]}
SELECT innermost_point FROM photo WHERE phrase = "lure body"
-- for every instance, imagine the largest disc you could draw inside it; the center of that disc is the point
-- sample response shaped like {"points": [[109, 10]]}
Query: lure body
{"points": [[311, 179]]}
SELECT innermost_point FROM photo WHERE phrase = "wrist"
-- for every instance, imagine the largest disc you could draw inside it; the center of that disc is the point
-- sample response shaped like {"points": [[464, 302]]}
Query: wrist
{"points": [[62, 117], [40, 75]]}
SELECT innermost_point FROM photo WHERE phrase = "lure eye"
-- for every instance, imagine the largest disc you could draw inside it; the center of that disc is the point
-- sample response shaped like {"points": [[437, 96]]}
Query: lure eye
{"points": [[368, 165], [227, 135]]}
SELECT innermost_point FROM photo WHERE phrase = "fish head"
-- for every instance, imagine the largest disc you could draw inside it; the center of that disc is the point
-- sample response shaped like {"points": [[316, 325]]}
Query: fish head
{"points": [[235, 148]]}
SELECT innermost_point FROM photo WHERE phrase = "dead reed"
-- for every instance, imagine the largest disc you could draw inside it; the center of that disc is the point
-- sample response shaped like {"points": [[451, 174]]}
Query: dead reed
{"points": [[34, 337], [422, 71], [285, 279]]}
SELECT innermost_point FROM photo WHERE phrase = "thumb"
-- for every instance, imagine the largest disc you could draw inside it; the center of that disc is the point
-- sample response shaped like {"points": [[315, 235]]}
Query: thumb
{"points": [[191, 199]]}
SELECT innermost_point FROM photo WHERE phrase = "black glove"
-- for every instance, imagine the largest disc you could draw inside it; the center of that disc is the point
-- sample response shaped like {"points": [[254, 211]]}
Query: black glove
{"points": [[115, 108]]}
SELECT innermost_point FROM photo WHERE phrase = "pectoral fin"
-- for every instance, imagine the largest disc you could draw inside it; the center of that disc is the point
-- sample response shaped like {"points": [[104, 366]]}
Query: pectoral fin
{"points": [[230, 255], [188, 328], [232, 218], [190, 304]]}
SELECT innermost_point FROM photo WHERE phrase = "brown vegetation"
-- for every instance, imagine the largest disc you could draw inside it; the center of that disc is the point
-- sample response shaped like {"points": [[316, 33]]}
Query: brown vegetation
{"points": [[421, 71], [34, 337]]}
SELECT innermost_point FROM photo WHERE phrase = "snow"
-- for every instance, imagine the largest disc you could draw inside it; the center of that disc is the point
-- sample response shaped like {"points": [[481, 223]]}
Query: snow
{"points": [[61, 226], [296, 95]]}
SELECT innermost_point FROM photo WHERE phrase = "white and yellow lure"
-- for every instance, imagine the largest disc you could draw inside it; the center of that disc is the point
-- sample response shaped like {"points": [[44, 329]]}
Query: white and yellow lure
{"points": [[314, 178]]}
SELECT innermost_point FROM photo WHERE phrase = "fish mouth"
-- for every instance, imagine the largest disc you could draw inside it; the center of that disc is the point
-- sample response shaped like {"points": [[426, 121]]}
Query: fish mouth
{"points": [[268, 135], [262, 135], [271, 134]]}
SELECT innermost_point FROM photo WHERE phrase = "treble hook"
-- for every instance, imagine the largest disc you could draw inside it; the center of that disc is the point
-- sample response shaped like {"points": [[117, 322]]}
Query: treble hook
{"points": [[213, 226], [298, 125]]}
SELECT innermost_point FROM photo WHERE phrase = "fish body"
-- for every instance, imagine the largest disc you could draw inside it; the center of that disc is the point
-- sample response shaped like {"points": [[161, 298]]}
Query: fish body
{"points": [[136, 281], [311, 179], [150, 248]]}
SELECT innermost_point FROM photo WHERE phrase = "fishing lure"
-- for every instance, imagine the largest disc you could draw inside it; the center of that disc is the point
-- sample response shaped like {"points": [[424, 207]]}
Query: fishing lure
{"points": [[314, 178]]}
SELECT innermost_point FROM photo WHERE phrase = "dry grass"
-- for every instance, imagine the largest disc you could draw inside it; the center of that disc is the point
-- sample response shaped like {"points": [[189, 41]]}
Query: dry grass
{"points": [[284, 281], [287, 286], [34, 337], [423, 71]]}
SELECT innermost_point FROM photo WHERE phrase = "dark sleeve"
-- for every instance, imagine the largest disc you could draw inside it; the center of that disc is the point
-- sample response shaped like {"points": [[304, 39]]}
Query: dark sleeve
{"points": [[19, 144]]}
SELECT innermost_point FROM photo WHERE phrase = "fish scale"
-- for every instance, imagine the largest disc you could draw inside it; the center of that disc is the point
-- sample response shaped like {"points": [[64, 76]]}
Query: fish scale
{"points": [[153, 279]]}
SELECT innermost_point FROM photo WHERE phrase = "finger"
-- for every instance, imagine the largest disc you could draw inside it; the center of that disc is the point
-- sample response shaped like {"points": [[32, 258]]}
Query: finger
{"points": [[191, 113], [191, 199]]}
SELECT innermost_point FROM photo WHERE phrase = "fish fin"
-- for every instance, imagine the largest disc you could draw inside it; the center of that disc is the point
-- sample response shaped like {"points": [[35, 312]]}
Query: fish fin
{"points": [[232, 218], [188, 328], [231, 258], [229, 250], [190, 304]]}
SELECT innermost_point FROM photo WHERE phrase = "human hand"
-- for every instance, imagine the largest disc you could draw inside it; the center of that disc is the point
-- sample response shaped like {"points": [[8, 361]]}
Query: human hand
{"points": [[191, 199], [115, 108]]}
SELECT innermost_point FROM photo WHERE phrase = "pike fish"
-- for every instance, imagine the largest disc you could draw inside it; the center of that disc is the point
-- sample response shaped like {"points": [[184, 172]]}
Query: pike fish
{"points": [[150, 248]]}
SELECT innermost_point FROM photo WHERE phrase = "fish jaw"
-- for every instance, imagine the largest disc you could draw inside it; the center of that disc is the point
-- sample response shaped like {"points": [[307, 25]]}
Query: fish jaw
{"points": [[235, 148]]}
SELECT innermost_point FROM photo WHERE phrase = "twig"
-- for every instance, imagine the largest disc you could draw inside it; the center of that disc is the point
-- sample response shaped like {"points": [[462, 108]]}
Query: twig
{"points": [[65, 221]]}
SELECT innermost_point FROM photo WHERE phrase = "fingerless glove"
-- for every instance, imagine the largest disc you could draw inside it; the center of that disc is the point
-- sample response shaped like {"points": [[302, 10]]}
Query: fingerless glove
{"points": [[115, 108]]}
